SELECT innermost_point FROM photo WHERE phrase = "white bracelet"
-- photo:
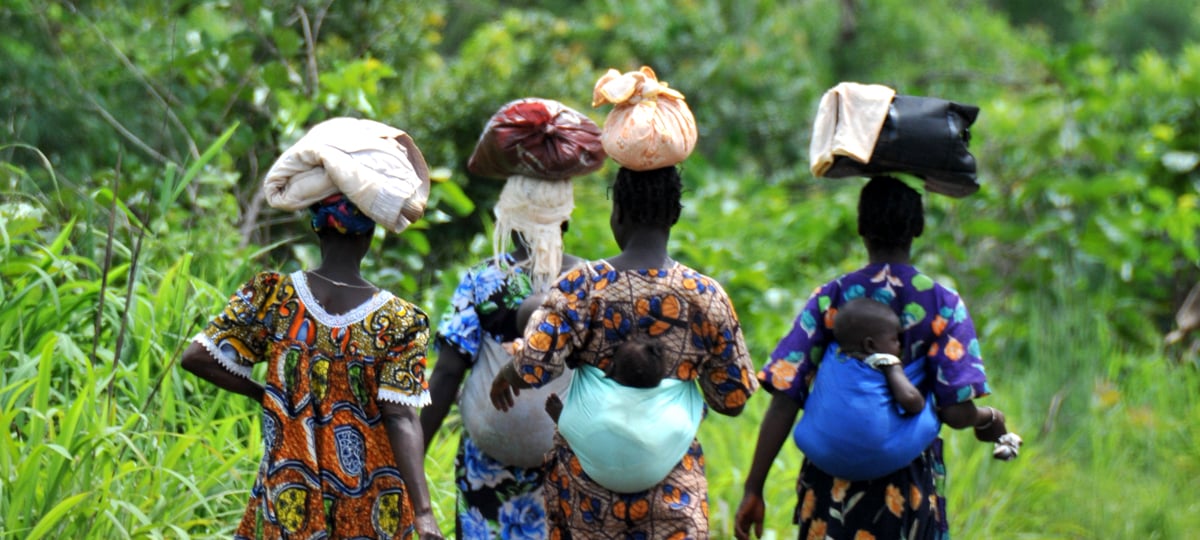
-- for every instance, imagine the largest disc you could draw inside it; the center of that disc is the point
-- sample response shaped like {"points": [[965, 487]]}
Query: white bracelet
{"points": [[879, 360]]}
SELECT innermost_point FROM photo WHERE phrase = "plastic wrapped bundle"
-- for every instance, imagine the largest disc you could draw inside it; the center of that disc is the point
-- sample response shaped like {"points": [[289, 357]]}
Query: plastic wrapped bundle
{"points": [[650, 126], [537, 138], [869, 130]]}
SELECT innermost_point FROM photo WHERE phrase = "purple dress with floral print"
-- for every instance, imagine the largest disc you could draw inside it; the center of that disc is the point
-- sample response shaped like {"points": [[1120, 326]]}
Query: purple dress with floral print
{"points": [[495, 500], [936, 326]]}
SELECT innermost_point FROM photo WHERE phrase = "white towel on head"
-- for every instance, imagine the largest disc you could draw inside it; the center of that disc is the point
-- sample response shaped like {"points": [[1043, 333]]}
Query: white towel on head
{"points": [[536, 209], [848, 123], [376, 166]]}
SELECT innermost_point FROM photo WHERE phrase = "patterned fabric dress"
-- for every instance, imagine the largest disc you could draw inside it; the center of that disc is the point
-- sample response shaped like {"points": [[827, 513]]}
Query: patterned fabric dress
{"points": [[494, 500], [593, 309], [328, 470], [906, 503]]}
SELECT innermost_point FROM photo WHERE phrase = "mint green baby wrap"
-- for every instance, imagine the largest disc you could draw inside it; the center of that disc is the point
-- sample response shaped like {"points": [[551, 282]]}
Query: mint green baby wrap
{"points": [[629, 439]]}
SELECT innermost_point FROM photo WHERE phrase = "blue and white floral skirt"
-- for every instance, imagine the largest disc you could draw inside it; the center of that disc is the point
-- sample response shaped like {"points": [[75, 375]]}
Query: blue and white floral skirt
{"points": [[496, 501]]}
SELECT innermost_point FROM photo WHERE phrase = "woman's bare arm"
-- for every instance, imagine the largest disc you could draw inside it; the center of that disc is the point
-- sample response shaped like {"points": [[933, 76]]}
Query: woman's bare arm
{"points": [[201, 363]]}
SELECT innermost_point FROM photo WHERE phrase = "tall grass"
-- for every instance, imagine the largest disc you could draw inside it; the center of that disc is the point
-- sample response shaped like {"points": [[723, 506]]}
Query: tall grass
{"points": [[108, 442]]}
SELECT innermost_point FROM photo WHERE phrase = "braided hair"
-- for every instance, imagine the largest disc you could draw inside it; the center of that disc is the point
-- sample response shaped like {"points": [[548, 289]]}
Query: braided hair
{"points": [[890, 213], [649, 197]]}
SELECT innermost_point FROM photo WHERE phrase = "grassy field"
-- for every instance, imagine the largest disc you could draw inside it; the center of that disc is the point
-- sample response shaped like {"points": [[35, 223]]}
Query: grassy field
{"points": [[109, 439]]}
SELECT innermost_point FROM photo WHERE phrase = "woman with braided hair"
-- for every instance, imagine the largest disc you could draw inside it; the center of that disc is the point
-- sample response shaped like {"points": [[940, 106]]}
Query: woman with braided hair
{"points": [[639, 294], [935, 329]]}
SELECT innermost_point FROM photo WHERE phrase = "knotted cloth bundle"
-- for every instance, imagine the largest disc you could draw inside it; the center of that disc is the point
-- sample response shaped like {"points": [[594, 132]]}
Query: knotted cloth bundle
{"points": [[650, 126], [376, 166]]}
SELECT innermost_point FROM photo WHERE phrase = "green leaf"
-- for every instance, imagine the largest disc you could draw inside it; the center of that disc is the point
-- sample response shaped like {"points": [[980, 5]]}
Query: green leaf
{"points": [[459, 202], [56, 515]]}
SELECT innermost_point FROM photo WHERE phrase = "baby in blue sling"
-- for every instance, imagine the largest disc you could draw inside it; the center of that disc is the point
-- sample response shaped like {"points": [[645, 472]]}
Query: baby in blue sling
{"points": [[858, 425], [628, 424], [636, 363], [870, 331]]}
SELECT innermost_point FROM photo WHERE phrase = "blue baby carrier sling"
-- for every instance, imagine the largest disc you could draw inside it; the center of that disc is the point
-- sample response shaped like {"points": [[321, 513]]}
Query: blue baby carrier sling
{"points": [[853, 428]]}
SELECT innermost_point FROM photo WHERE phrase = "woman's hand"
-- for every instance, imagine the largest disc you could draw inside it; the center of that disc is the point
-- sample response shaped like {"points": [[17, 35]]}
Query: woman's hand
{"points": [[504, 391], [749, 512], [554, 407], [992, 427], [427, 527]]}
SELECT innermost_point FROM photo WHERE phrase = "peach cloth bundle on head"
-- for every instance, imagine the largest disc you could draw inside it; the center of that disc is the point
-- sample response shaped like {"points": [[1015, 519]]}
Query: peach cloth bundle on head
{"points": [[650, 126], [376, 166]]}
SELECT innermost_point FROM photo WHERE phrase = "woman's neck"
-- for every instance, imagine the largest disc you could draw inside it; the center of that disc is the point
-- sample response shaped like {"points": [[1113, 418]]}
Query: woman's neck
{"points": [[341, 262], [895, 255], [644, 249]]}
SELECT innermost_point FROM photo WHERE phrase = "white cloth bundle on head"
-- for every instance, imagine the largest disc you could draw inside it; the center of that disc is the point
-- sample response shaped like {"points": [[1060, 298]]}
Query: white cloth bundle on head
{"points": [[376, 166], [650, 126], [848, 123], [535, 209]]}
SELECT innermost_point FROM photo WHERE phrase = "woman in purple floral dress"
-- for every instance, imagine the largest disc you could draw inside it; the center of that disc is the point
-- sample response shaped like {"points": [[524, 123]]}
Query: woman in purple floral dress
{"points": [[907, 503]]}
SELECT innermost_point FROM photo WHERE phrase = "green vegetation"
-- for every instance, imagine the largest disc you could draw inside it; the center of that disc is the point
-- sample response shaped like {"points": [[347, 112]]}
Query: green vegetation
{"points": [[131, 146]]}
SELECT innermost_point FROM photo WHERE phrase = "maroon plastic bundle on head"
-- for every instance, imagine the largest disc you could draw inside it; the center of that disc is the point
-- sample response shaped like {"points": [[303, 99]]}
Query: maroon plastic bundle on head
{"points": [[537, 138]]}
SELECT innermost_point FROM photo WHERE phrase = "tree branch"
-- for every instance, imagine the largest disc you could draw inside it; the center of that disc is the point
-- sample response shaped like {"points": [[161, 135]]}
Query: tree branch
{"points": [[310, 50]]}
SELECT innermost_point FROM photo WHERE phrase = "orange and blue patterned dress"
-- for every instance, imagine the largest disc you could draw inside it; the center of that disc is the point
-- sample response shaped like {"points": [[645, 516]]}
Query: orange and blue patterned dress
{"points": [[591, 310], [327, 470]]}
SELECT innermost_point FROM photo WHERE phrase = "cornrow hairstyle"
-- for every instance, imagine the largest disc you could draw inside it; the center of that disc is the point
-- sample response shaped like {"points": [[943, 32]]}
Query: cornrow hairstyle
{"points": [[890, 213], [649, 197]]}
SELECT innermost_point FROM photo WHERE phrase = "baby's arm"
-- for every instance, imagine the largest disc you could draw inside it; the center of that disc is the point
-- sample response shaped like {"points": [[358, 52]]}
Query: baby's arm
{"points": [[907, 395]]}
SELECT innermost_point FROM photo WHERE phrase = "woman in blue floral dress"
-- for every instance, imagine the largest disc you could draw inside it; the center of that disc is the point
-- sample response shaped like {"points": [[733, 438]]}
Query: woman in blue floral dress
{"points": [[537, 145], [495, 500], [907, 503]]}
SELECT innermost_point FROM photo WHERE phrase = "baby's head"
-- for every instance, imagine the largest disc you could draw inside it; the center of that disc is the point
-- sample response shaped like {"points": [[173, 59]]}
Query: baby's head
{"points": [[637, 363], [864, 327]]}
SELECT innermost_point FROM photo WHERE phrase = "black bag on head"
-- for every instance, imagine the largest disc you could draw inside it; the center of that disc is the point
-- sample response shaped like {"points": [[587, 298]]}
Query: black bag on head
{"points": [[926, 137]]}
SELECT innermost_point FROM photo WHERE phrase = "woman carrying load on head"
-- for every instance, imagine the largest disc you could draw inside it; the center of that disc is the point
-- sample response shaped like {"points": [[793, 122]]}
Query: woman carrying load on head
{"points": [[538, 145], [345, 359], [907, 502], [643, 294]]}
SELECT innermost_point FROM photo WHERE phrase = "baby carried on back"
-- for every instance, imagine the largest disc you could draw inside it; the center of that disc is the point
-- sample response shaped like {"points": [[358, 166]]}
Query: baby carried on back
{"points": [[865, 416], [628, 424]]}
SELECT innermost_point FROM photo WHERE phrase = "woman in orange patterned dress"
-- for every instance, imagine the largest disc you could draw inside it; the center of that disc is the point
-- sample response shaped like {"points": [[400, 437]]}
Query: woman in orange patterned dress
{"points": [[639, 294], [344, 375]]}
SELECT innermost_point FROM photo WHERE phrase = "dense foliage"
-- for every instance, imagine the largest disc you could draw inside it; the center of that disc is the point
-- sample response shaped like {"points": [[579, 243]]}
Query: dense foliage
{"points": [[133, 137]]}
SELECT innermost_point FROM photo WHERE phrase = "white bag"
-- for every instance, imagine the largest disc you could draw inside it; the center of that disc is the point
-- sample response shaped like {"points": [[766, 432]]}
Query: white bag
{"points": [[520, 437]]}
